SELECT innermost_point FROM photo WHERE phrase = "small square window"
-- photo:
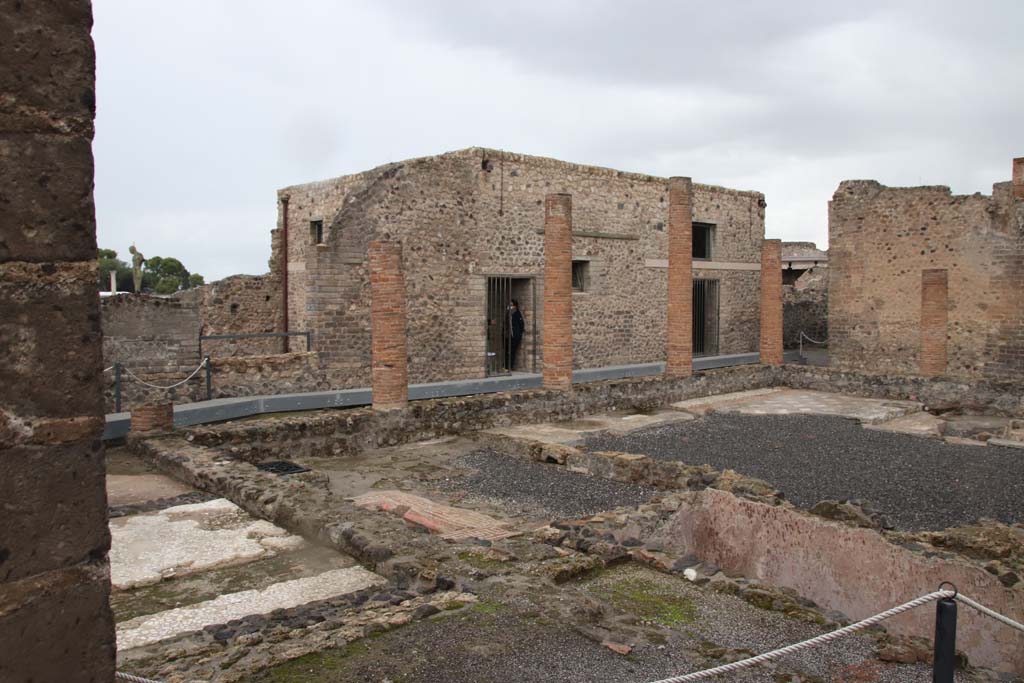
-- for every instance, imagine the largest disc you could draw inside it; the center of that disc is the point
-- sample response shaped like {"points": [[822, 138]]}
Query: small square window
{"points": [[316, 232], [703, 237], [580, 276]]}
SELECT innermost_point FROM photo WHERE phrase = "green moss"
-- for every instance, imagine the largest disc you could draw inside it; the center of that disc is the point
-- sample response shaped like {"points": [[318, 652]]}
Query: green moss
{"points": [[648, 600], [316, 665], [485, 564], [487, 607]]}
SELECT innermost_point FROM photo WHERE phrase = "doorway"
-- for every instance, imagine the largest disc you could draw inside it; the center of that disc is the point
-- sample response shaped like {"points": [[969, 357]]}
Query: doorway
{"points": [[705, 317], [505, 353]]}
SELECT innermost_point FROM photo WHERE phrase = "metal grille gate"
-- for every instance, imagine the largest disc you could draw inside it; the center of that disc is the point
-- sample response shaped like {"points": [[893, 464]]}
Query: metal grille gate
{"points": [[705, 317], [501, 290]]}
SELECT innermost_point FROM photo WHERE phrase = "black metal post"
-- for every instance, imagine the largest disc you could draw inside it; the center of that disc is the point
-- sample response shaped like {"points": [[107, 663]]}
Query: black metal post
{"points": [[209, 379], [117, 387], [945, 641]]}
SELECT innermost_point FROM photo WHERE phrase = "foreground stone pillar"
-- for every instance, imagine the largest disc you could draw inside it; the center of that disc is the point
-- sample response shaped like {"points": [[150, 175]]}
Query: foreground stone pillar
{"points": [[387, 322], [679, 333], [558, 292], [771, 302], [153, 417], [55, 619], [1018, 178], [934, 318]]}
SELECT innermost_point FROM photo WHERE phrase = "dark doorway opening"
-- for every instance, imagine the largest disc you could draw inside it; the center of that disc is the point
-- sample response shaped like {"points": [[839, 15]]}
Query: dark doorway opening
{"points": [[705, 317], [508, 352]]}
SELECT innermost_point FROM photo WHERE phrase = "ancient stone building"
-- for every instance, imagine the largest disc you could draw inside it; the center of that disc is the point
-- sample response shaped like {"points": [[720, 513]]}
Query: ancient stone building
{"points": [[471, 227], [804, 292], [926, 282], [55, 621]]}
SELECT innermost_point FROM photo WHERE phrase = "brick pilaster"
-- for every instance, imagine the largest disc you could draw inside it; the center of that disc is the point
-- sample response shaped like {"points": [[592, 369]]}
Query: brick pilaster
{"points": [[934, 317], [558, 292], [1018, 178], [771, 302], [387, 323], [153, 417], [679, 334]]}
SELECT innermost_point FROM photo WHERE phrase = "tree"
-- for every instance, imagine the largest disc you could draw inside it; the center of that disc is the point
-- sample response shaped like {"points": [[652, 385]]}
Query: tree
{"points": [[160, 274], [109, 262]]}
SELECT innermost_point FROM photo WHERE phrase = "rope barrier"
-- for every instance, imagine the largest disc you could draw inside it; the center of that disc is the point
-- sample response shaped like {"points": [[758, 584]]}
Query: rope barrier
{"points": [[138, 379], [813, 341], [121, 676], [845, 631]]}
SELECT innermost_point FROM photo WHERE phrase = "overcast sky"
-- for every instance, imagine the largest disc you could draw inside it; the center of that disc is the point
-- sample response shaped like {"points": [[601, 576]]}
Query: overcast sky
{"points": [[206, 108]]}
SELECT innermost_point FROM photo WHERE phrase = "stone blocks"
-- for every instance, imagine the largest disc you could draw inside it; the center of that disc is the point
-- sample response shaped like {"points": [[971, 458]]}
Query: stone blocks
{"points": [[387, 319], [679, 335], [771, 303], [55, 621], [558, 292]]}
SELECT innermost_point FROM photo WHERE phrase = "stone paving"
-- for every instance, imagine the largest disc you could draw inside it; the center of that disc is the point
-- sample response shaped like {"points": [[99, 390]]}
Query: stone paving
{"points": [[186, 539], [800, 402], [572, 432], [156, 627]]}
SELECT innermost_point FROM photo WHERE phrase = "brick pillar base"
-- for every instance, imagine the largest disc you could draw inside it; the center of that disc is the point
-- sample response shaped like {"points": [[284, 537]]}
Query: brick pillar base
{"points": [[679, 332], [771, 302], [558, 292], [387, 323], [934, 315], [153, 417]]}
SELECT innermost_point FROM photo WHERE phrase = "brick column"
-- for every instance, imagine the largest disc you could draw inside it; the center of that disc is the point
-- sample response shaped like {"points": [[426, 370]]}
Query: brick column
{"points": [[679, 333], [387, 322], [1018, 178], [55, 618], [934, 315], [558, 292], [771, 302], [153, 417]]}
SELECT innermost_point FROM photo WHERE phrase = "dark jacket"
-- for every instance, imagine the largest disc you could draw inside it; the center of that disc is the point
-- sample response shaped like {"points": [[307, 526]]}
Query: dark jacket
{"points": [[518, 324]]}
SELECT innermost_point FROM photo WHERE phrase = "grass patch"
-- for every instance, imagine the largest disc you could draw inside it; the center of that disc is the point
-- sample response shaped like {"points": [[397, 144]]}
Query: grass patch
{"points": [[484, 564], [647, 600], [314, 666]]}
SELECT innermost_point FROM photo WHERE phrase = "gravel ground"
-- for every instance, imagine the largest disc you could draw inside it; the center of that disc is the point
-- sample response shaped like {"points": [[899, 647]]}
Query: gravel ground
{"points": [[491, 643], [525, 486], [917, 483]]}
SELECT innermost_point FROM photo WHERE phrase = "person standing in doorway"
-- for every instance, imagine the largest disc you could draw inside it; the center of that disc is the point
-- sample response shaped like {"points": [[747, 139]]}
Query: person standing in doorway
{"points": [[517, 325]]}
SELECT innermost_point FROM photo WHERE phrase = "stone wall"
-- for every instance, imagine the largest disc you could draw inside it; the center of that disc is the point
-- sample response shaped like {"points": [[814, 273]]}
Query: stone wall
{"points": [[475, 213], [240, 304], [55, 620], [881, 239], [349, 432]]}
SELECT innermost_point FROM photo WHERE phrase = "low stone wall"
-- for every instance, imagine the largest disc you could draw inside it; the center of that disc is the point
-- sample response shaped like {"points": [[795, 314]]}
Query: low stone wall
{"points": [[855, 571], [283, 373], [347, 432], [1004, 398]]}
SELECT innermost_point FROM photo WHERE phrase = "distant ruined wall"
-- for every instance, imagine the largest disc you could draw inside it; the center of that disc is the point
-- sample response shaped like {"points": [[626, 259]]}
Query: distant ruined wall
{"points": [[240, 304], [881, 240], [55, 618], [466, 215], [805, 308]]}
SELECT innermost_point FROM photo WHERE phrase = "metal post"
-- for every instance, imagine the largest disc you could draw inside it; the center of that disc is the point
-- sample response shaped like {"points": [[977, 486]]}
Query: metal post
{"points": [[117, 387], [209, 380], [945, 641]]}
